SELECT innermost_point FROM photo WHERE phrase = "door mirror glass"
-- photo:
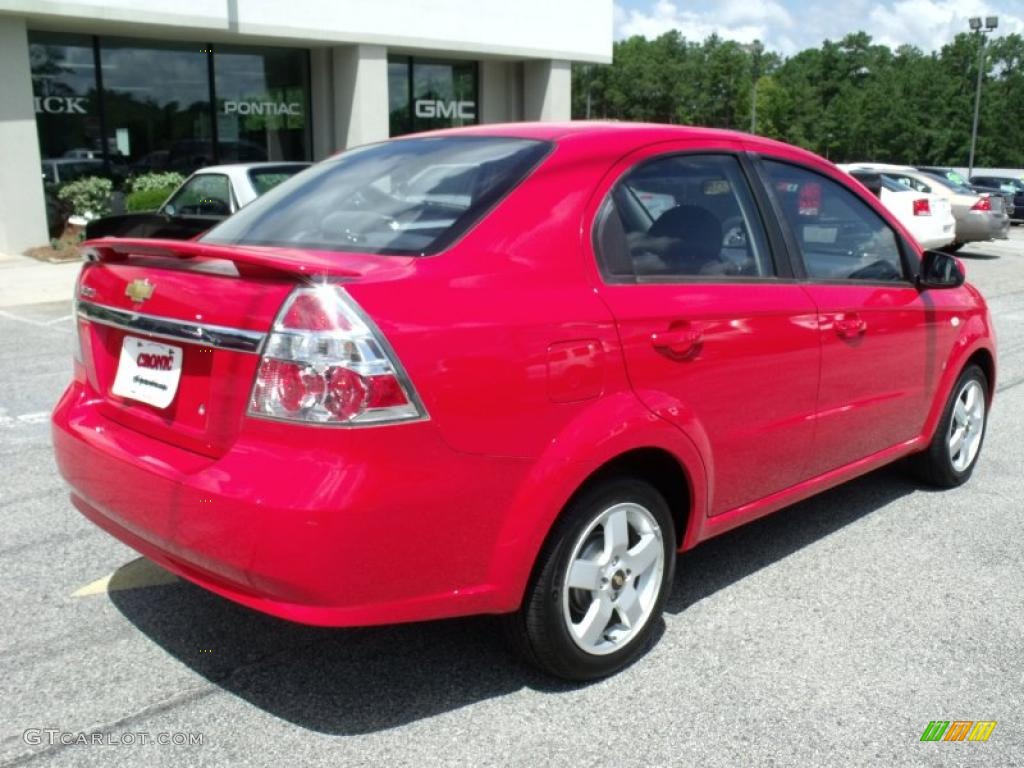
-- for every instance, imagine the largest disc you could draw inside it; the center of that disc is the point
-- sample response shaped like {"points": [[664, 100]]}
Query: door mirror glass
{"points": [[940, 270]]}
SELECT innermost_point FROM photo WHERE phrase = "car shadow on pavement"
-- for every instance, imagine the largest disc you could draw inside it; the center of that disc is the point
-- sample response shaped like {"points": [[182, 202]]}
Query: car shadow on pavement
{"points": [[355, 681], [967, 253], [717, 563]]}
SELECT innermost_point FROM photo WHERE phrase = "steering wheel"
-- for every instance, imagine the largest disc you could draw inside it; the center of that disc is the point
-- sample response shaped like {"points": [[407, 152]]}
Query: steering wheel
{"points": [[734, 231]]}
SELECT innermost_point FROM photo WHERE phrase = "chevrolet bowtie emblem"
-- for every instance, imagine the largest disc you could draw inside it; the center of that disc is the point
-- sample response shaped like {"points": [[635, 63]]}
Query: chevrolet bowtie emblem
{"points": [[139, 290]]}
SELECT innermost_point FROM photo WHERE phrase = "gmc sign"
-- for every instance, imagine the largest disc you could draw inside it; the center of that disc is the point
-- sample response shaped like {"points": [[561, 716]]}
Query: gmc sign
{"points": [[463, 110]]}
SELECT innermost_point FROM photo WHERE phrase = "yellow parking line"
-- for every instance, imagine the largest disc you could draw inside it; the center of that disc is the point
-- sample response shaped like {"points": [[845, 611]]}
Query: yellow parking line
{"points": [[137, 574]]}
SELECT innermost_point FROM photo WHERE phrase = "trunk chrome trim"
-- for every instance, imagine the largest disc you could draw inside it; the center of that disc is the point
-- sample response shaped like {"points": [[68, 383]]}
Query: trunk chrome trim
{"points": [[217, 336]]}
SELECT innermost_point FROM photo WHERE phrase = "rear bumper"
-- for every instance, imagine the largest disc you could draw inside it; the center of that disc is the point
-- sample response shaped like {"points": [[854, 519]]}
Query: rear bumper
{"points": [[352, 529], [982, 225]]}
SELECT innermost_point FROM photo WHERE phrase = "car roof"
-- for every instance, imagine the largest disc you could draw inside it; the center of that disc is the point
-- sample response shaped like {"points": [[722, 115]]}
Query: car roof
{"points": [[881, 167], [231, 167], [597, 131]]}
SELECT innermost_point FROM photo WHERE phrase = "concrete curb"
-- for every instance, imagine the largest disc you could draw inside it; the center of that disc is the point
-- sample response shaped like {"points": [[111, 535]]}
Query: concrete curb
{"points": [[27, 281]]}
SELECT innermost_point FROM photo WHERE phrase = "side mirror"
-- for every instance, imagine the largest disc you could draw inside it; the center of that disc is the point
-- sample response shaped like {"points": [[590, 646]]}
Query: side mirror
{"points": [[940, 270]]}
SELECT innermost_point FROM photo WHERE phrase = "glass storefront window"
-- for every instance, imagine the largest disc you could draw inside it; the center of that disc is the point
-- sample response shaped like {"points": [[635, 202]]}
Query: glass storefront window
{"points": [[262, 103], [431, 94], [152, 101], [399, 95], [156, 98], [66, 106]]}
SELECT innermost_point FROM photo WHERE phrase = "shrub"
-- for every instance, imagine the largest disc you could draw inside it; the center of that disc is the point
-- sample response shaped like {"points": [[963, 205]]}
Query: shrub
{"points": [[88, 197], [147, 199], [162, 181]]}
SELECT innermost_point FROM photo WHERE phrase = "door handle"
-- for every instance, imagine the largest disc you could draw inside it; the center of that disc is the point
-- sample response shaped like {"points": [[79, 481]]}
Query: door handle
{"points": [[682, 341], [850, 326]]}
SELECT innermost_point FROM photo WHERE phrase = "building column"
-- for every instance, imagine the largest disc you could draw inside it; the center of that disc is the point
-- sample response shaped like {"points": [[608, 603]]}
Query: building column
{"points": [[501, 91], [360, 94], [547, 90], [22, 207], [321, 85]]}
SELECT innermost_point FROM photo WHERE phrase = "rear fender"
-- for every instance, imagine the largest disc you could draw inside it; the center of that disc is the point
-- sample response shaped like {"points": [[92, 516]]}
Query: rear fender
{"points": [[976, 336], [607, 429]]}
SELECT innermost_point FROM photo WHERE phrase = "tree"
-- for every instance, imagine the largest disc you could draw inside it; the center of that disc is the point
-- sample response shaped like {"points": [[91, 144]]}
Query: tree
{"points": [[850, 100]]}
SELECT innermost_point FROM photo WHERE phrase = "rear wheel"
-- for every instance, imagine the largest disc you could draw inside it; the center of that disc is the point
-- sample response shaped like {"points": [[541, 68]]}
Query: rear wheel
{"points": [[954, 450], [600, 583]]}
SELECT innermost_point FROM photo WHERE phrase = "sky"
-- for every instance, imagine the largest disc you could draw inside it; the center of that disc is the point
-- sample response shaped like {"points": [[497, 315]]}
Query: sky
{"points": [[789, 26]]}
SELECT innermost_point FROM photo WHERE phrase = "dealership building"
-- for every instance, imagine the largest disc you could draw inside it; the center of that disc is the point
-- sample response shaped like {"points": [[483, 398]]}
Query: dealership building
{"points": [[120, 87]]}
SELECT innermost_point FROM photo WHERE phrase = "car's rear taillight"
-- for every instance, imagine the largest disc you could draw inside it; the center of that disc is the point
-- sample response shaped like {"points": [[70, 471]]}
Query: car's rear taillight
{"points": [[324, 362], [983, 204], [76, 333], [922, 207]]}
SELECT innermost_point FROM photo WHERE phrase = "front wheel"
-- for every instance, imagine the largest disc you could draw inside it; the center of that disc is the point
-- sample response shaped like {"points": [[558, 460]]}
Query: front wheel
{"points": [[600, 583], [954, 450]]}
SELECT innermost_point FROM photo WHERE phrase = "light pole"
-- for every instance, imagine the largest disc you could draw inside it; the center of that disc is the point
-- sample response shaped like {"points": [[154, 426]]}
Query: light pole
{"points": [[991, 22], [755, 49]]}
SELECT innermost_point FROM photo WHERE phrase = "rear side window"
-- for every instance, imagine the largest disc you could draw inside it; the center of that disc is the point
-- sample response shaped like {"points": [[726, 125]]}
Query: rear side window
{"points": [[411, 197], [840, 237], [266, 178], [682, 216]]}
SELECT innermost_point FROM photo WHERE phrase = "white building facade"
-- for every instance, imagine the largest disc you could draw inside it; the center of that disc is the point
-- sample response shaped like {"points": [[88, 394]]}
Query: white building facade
{"points": [[120, 87]]}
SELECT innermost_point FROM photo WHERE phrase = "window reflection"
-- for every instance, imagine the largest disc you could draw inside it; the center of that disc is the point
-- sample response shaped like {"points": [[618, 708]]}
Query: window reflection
{"points": [[425, 95], [157, 104], [67, 112], [261, 104]]}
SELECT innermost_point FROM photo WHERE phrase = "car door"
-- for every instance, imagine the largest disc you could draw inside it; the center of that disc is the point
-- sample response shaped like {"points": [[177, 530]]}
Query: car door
{"points": [[880, 336], [717, 336]]}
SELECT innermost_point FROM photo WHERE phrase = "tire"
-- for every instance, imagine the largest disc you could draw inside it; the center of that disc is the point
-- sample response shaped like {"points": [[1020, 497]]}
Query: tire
{"points": [[942, 464], [620, 536]]}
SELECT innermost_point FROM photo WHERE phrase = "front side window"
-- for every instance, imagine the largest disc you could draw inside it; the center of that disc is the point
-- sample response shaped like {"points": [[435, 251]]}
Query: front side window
{"points": [[409, 197], [680, 217], [840, 237], [208, 194]]}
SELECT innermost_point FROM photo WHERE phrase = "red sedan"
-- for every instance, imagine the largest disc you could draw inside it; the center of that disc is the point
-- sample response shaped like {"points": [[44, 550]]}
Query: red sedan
{"points": [[513, 370]]}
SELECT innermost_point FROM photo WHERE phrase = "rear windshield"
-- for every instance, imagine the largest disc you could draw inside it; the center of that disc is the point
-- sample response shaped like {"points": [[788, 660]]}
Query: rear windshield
{"points": [[409, 197], [950, 184]]}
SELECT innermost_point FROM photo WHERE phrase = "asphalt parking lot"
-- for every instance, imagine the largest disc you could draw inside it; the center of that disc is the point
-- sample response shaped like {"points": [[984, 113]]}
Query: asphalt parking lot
{"points": [[828, 634]]}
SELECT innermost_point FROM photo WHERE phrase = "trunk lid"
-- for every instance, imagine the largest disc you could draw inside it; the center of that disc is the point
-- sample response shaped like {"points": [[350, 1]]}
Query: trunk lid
{"points": [[213, 304]]}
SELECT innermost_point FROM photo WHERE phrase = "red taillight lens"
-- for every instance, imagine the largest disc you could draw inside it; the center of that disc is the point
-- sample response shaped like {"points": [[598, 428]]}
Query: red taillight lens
{"points": [[922, 207], [325, 363], [983, 204]]}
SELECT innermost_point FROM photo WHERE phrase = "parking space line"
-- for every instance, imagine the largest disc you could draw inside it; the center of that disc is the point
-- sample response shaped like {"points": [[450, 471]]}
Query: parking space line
{"points": [[34, 323], [36, 417], [137, 574]]}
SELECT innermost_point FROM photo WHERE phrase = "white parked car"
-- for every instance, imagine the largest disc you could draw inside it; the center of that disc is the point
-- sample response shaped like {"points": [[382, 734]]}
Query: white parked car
{"points": [[978, 216], [205, 198], [928, 216]]}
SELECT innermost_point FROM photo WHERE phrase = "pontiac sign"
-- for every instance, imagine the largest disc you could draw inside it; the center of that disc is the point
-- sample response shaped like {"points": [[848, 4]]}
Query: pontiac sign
{"points": [[262, 108]]}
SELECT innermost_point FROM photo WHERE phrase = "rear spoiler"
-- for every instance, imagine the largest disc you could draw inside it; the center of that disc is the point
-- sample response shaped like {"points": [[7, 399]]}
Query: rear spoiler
{"points": [[248, 259]]}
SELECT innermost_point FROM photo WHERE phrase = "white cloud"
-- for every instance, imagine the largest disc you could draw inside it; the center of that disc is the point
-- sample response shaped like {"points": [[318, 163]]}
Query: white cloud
{"points": [[928, 24], [732, 19]]}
